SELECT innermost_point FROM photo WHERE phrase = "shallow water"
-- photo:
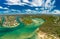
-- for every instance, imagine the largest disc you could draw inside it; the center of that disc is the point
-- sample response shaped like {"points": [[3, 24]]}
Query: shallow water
{"points": [[22, 31]]}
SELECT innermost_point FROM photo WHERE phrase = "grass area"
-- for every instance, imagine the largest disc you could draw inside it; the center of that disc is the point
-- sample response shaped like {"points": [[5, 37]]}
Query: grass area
{"points": [[52, 24]]}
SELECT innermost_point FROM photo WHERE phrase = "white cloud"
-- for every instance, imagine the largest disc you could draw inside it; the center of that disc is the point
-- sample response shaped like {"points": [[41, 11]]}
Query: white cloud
{"points": [[15, 10], [33, 3], [36, 8], [37, 3], [48, 4], [56, 12], [3, 7], [48, 12], [14, 2], [28, 10], [26, 1]]}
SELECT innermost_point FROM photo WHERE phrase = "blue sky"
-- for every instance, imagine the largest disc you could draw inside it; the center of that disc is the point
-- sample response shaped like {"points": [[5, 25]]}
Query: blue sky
{"points": [[29, 6]]}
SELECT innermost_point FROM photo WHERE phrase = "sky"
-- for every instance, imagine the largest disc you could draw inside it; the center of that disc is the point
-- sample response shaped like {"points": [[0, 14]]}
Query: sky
{"points": [[29, 6]]}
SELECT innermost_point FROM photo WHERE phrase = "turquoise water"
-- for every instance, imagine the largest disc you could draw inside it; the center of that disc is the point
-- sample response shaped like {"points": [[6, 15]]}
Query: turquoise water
{"points": [[22, 31]]}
